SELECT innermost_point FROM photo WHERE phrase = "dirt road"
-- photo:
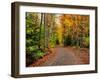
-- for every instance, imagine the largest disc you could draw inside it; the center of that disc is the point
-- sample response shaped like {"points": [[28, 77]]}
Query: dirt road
{"points": [[66, 56]]}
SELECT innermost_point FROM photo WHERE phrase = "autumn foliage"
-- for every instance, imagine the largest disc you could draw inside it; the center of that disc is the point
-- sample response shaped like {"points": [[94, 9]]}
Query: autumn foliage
{"points": [[45, 31]]}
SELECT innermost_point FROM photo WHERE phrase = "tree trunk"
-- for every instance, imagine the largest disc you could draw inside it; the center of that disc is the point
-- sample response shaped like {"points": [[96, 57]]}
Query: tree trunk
{"points": [[40, 30]]}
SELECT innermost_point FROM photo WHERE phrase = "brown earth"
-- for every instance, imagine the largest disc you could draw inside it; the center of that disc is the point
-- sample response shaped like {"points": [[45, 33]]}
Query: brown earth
{"points": [[64, 56]]}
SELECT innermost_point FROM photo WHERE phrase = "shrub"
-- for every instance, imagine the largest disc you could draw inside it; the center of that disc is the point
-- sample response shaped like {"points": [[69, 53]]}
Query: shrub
{"points": [[87, 42]]}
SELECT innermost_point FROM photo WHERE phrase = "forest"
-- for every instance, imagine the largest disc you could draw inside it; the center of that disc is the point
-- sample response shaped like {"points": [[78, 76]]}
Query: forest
{"points": [[46, 31]]}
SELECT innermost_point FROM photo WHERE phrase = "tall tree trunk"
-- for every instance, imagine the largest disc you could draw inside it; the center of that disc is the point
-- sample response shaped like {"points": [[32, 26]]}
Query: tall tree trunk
{"points": [[44, 32], [40, 30]]}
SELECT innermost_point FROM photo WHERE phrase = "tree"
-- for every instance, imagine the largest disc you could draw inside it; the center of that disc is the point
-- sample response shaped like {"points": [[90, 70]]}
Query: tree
{"points": [[76, 29]]}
